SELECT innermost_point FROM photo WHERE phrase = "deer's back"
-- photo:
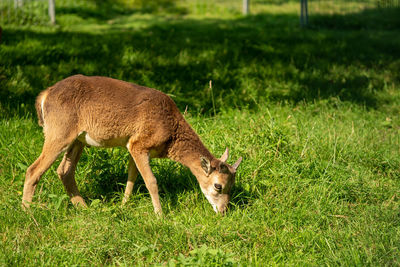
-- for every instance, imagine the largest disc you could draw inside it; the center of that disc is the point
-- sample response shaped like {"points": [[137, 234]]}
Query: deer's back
{"points": [[106, 108]]}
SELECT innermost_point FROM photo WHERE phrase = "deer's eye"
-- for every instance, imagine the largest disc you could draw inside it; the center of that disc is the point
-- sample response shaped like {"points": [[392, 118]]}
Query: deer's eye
{"points": [[218, 187]]}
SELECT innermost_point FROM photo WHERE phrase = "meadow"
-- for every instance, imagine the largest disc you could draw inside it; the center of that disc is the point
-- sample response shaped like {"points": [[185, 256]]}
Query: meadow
{"points": [[313, 111]]}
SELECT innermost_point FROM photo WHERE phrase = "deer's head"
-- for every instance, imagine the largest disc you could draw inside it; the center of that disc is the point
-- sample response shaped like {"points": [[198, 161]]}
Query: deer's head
{"points": [[219, 180]]}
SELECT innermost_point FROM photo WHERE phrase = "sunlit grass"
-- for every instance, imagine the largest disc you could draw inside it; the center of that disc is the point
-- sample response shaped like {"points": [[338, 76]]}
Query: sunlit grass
{"points": [[318, 184]]}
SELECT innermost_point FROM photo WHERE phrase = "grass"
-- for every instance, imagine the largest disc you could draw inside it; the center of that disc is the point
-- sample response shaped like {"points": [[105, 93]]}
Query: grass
{"points": [[314, 113]]}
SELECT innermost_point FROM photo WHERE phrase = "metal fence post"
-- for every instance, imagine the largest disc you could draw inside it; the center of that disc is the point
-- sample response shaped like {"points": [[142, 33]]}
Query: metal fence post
{"points": [[303, 13], [246, 7], [18, 3], [52, 11]]}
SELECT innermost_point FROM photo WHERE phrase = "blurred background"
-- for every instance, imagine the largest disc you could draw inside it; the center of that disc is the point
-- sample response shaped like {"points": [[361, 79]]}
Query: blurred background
{"points": [[347, 49], [39, 11]]}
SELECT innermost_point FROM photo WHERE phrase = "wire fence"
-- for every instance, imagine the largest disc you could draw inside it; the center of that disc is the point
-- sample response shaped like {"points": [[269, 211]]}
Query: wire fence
{"points": [[23, 11], [354, 14], [340, 7], [34, 12]]}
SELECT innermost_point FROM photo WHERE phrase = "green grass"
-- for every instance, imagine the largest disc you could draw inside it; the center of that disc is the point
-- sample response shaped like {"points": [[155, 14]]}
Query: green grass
{"points": [[313, 112]]}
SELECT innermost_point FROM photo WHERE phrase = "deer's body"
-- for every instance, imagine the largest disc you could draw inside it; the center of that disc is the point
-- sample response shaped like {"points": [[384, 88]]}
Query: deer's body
{"points": [[104, 112]]}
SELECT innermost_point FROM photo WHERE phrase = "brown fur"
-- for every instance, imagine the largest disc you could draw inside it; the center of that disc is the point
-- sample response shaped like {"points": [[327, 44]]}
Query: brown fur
{"points": [[82, 110]]}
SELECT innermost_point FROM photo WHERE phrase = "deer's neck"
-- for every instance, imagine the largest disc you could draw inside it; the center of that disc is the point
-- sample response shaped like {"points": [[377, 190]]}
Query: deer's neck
{"points": [[187, 148]]}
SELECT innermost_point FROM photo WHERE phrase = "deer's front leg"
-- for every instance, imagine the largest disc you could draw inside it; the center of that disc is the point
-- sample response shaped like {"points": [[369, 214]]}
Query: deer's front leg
{"points": [[142, 160]]}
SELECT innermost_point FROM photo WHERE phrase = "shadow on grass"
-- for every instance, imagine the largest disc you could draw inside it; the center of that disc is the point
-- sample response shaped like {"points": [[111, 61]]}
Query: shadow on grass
{"points": [[254, 58], [107, 176], [107, 179]]}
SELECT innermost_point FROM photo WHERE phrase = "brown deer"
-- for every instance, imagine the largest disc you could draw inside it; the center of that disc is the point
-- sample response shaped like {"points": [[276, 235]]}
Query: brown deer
{"points": [[103, 112]]}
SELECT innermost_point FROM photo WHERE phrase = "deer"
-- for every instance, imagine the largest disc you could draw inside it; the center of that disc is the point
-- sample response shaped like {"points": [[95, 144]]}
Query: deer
{"points": [[97, 111]]}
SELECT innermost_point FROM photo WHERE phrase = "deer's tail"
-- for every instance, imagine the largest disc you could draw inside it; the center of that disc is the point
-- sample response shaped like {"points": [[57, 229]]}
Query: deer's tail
{"points": [[39, 105]]}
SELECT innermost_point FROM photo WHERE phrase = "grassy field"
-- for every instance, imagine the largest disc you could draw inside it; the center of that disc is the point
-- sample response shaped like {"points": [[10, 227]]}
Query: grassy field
{"points": [[314, 113]]}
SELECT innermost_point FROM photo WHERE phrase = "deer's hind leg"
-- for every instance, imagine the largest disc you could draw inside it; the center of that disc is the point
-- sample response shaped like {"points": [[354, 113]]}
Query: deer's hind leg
{"points": [[66, 172], [52, 147]]}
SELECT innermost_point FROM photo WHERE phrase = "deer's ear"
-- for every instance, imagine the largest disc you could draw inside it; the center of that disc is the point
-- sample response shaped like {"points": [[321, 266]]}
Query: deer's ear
{"points": [[225, 156], [237, 163], [205, 165]]}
